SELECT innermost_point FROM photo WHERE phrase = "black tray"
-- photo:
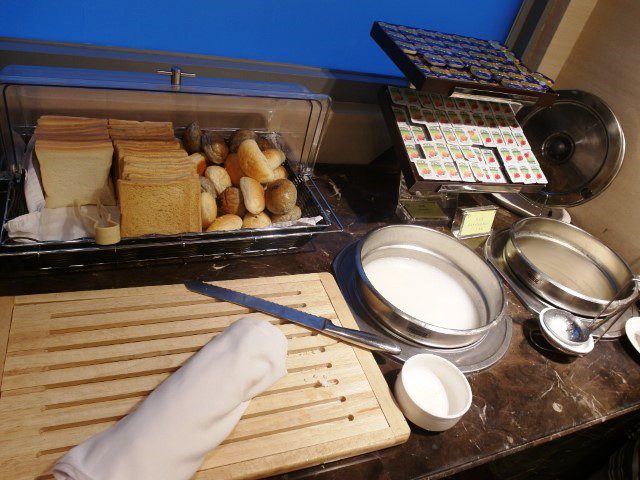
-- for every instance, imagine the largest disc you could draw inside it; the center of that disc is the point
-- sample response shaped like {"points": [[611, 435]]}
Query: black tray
{"points": [[448, 87]]}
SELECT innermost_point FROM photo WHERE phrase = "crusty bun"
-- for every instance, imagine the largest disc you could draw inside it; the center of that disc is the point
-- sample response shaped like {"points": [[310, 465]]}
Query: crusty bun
{"points": [[281, 196], [191, 137], [200, 162], [260, 220], [240, 136], [208, 209], [232, 166], [274, 157], [253, 195], [253, 162], [264, 143], [214, 147], [219, 177], [225, 222], [207, 185], [231, 202], [280, 173], [294, 214]]}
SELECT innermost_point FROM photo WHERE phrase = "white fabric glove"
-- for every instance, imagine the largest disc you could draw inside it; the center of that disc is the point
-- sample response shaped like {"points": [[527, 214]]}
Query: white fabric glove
{"points": [[189, 414]]}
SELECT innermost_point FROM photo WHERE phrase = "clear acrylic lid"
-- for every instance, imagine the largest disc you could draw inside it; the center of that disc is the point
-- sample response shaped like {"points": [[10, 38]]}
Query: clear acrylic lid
{"points": [[291, 111]]}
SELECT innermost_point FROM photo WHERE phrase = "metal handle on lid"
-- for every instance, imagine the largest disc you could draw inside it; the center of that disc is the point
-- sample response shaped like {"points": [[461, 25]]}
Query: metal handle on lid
{"points": [[176, 74]]}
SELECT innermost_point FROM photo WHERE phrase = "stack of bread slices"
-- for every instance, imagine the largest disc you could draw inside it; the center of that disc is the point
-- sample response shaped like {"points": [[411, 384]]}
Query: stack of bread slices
{"points": [[158, 184], [75, 155]]}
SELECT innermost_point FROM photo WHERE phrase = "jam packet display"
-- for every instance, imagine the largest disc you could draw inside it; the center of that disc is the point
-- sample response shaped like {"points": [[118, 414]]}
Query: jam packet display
{"points": [[425, 100], [479, 171], [467, 119], [527, 174], [439, 170], [449, 134], [464, 169], [454, 118], [437, 100], [474, 135], [474, 105], [469, 153], [435, 133], [462, 135], [518, 155], [456, 152], [401, 115], [496, 137], [505, 108], [462, 104], [429, 150], [506, 156], [495, 107], [485, 137], [537, 173], [489, 157], [443, 151], [479, 120], [425, 170], [496, 176], [418, 134], [396, 96], [452, 170], [530, 158], [485, 108], [449, 103], [407, 136], [413, 152], [429, 117], [514, 174], [509, 139], [411, 97], [521, 140], [443, 118], [415, 113]]}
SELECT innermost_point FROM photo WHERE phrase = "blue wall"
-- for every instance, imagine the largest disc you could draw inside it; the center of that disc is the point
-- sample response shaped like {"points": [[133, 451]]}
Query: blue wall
{"points": [[322, 33]]}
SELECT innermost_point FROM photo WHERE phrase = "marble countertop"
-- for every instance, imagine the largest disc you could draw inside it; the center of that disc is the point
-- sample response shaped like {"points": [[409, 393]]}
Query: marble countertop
{"points": [[533, 395]]}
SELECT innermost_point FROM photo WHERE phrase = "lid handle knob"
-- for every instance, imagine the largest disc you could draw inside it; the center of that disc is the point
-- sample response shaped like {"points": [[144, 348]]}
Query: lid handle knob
{"points": [[176, 74]]}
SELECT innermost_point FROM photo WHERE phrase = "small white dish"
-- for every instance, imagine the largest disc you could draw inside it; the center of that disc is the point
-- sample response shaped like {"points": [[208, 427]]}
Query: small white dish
{"points": [[632, 329], [432, 392]]}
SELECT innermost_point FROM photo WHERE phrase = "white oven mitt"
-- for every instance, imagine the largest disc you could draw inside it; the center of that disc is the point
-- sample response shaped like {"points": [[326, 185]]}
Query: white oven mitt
{"points": [[189, 414]]}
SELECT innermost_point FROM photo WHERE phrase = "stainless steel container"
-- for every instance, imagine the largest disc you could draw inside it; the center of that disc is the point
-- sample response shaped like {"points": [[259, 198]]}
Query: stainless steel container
{"points": [[566, 266], [447, 254]]}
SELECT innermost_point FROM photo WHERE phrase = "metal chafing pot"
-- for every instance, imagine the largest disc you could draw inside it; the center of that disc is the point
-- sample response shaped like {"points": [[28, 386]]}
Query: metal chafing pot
{"points": [[567, 266], [445, 253]]}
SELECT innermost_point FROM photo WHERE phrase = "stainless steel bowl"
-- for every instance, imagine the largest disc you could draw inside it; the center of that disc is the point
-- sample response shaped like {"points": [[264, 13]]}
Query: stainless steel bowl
{"points": [[446, 253], [566, 266]]}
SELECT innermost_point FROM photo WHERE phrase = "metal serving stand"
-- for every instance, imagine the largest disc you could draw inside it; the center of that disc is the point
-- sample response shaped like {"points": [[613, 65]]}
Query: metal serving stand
{"points": [[292, 116]]}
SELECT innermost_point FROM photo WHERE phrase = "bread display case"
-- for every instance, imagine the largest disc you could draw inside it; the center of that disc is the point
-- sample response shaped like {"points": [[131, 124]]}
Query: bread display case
{"points": [[287, 117]]}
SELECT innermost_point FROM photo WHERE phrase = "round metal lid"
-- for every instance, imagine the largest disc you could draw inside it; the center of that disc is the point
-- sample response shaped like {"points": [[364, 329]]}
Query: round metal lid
{"points": [[579, 144]]}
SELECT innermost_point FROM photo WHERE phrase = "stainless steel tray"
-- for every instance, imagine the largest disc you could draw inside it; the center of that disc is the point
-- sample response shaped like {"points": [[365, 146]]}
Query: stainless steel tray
{"points": [[472, 358]]}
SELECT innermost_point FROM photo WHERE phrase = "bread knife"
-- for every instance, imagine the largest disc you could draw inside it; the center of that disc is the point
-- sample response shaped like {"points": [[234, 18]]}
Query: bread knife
{"points": [[324, 325]]}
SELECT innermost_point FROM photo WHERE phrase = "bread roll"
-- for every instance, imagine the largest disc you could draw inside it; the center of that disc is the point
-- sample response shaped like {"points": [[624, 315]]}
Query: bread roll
{"points": [[264, 143], [274, 157], [253, 195], [238, 137], [294, 214], [253, 162], [280, 173], [207, 185], [208, 209], [260, 220], [214, 147], [281, 196], [199, 160], [191, 137], [219, 177], [232, 166], [231, 202], [225, 222]]}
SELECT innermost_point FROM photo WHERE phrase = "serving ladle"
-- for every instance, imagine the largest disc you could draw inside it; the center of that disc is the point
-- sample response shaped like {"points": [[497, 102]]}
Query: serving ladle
{"points": [[572, 334]]}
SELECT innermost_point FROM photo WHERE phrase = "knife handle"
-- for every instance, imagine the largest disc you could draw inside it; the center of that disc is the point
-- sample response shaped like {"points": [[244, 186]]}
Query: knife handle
{"points": [[363, 339]]}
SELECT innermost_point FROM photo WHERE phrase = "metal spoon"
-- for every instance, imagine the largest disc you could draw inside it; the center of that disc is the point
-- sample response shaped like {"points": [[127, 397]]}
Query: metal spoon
{"points": [[573, 331]]}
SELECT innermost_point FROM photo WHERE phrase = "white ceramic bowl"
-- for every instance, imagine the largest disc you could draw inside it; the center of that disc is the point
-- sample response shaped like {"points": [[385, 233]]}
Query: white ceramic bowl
{"points": [[632, 329], [432, 392]]}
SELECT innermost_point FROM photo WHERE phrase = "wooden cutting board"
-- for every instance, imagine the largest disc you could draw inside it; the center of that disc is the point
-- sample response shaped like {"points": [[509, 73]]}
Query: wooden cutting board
{"points": [[78, 362]]}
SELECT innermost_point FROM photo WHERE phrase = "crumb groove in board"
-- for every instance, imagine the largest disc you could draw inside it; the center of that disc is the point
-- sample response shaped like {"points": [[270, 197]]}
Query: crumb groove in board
{"points": [[157, 306]]}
